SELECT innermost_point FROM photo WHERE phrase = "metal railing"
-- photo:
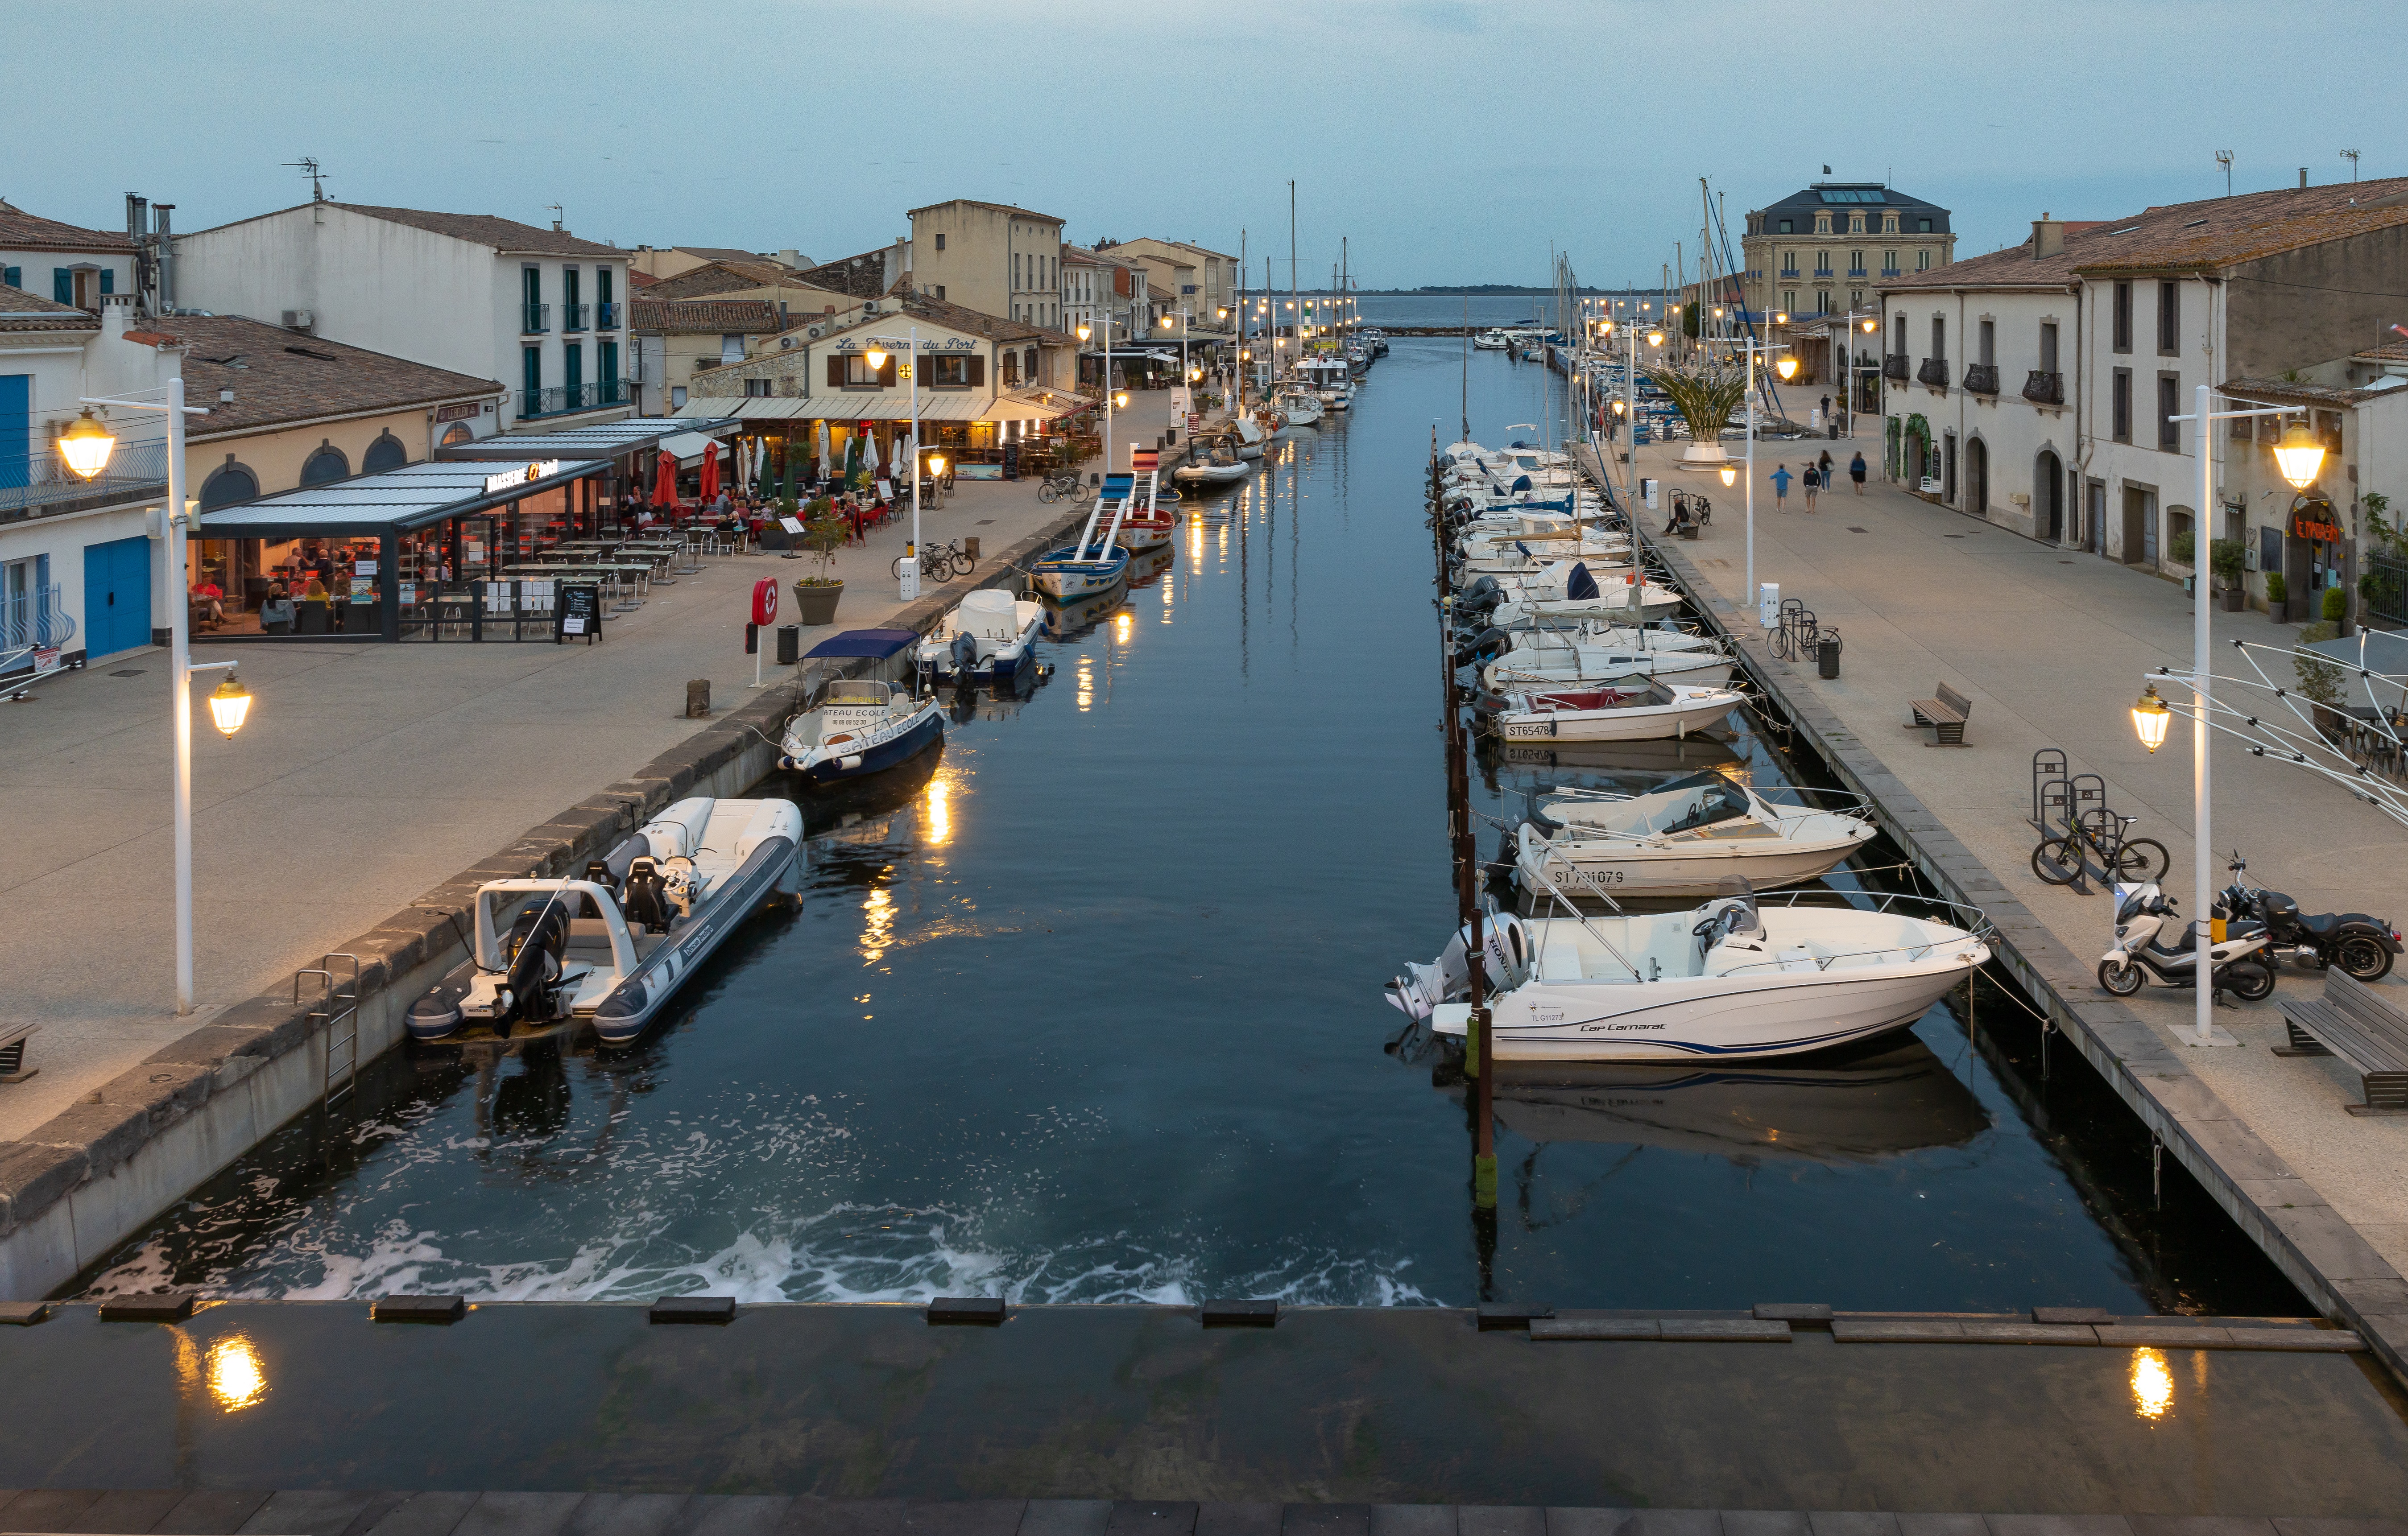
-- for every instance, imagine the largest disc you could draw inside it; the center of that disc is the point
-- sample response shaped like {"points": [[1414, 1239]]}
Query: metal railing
{"points": [[606, 316], [572, 316], [42, 482], [533, 318], [1894, 367], [1934, 372], [2042, 388], [2384, 588], [1981, 378], [33, 621], [564, 399]]}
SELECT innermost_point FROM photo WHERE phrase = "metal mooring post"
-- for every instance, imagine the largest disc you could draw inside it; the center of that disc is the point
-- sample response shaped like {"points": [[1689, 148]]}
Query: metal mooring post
{"points": [[2156, 1172]]}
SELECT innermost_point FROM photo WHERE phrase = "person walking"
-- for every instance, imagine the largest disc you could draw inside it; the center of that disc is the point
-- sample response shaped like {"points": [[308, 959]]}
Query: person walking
{"points": [[1857, 471], [1814, 482], [1779, 478], [1823, 464], [1830, 423]]}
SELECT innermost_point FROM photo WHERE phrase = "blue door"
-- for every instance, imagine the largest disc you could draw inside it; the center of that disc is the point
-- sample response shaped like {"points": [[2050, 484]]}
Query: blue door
{"points": [[16, 429], [116, 596]]}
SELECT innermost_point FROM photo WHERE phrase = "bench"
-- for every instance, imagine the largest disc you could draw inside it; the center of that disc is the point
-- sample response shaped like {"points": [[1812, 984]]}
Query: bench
{"points": [[12, 1052], [2352, 1021], [1944, 714]]}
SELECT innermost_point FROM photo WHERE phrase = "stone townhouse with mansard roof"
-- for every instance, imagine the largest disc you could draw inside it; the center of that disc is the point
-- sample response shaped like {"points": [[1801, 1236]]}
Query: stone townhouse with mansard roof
{"points": [[2033, 387]]}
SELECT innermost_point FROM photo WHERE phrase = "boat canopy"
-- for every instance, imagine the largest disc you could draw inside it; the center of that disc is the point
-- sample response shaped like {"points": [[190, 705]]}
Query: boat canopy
{"points": [[876, 644]]}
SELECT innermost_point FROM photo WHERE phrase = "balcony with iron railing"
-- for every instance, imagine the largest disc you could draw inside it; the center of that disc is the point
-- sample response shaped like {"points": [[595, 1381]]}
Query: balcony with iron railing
{"points": [[1934, 372], [41, 485], [1981, 378], [30, 622], [572, 316], [1789, 274], [1858, 274], [1890, 272], [533, 318], [567, 399], [1894, 367], [2042, 388], [606, 316]]}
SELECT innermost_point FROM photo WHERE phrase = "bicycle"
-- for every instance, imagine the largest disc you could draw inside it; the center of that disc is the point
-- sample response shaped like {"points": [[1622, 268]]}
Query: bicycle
{"points": [[2060, 860], [1068, 483], [943, 562]]}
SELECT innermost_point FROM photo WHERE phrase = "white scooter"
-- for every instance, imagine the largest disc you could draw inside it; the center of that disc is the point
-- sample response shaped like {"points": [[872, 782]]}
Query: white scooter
{"points": [[2143, 914]]}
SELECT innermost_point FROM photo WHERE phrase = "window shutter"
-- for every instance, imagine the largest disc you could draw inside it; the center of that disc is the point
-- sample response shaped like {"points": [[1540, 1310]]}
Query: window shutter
{"points": [[109, 279], [835, 373], [886, 376], [13, 276], [977, 371], [61, 285]]}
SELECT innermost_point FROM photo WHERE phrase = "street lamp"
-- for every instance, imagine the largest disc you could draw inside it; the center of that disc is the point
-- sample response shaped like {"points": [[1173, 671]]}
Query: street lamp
{"points": [[2149, 717], [2298, 456], [87, 447], [908, 578], [1785, 367], [1729, 473]]}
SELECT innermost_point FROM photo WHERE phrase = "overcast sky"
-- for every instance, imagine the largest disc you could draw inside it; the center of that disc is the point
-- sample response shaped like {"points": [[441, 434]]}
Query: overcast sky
{"points": [[1450, 140]]}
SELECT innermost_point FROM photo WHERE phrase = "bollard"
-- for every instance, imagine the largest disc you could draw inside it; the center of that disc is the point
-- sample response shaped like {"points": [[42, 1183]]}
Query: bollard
{"points": [[697, 699], [970, 547]]}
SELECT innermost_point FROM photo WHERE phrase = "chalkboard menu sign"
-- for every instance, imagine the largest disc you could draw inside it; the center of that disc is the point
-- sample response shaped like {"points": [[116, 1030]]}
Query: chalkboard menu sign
{"points": [[1012, 458], [577, 613]]}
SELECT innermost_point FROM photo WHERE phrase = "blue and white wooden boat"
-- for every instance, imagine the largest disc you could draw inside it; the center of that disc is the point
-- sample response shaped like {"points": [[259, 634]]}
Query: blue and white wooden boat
{"points": [[1093, 567], [612, 947], [989, 636]]}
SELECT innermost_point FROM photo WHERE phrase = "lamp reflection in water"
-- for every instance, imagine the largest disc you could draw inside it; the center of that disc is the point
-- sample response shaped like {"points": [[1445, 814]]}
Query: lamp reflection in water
{"points": [[2152, 1383], [236, 1376], [940, 822], [877, 925]]}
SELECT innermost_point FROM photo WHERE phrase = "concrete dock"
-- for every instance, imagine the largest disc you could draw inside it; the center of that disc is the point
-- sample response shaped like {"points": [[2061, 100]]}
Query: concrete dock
{"points": [[1340, 1408], [2051, 645]]}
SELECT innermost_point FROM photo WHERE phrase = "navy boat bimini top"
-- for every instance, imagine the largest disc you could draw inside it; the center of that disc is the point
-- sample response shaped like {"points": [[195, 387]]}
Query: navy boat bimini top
{"points": [[878, 643]]}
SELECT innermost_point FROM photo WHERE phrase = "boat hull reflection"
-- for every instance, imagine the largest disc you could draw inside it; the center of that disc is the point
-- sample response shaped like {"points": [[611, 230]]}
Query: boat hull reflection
{"points": [[1850, 1106]]}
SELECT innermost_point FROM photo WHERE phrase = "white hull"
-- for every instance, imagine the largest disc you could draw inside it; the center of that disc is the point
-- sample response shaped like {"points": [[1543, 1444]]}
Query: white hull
{"points": [[1613, 602], [1519, 671], [1626, 868], [1213, 474], [1690, 710], [1767, 1017]]}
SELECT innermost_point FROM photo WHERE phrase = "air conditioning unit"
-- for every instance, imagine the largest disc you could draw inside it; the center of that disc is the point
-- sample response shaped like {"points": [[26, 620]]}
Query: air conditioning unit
{"points": [[815, 332], [299, 320], [784, 342], [870, 306]]}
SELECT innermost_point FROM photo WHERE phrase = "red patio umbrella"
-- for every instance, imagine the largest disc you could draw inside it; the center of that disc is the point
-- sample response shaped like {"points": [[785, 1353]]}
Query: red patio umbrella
{"points": [[709, 472], [664, 481]]}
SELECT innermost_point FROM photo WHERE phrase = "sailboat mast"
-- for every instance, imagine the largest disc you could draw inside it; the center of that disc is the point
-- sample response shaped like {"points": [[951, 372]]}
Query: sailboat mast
{"points": [[1295, 367]]}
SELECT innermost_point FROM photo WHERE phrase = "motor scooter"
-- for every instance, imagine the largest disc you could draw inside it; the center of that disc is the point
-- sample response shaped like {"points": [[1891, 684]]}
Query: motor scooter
{"points": [[2360, 944], [2144, 914]]}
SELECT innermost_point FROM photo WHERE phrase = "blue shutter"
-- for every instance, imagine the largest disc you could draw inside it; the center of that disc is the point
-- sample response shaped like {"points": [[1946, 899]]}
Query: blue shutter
{"points": [[109, 279], [14, 277], [61, 285], [16, 429]]}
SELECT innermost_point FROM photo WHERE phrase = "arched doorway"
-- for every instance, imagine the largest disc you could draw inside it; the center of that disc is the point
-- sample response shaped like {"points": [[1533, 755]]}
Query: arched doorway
{"points": [[2048, 488], [1977, 477]]}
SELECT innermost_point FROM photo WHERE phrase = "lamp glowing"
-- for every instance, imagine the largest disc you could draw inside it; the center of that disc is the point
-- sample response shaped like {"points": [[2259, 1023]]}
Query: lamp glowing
{"points": [[1120, 401], [1084, 333], [1617, 407], [1786, 368], [2298, 456], [1654, 338], [1730, 475], [2149, 717], [876, 358], [229, 705], [87, 446], [1781, 316], [1869, 327], [935, 463]]}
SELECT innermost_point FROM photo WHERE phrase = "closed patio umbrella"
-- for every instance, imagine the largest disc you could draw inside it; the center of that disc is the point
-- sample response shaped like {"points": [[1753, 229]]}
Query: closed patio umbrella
{"points": [[664, 481], [824, 465], [793, 472], [711, 472]]}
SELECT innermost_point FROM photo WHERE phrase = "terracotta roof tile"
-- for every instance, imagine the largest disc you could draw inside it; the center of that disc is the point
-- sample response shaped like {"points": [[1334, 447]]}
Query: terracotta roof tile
{"points": [[2389, 351], [726, 278], [2278, 391], [23, 231], [279, 375], [996, 208], [861, 276], [485, 229], [23, 311], [698, 317]]}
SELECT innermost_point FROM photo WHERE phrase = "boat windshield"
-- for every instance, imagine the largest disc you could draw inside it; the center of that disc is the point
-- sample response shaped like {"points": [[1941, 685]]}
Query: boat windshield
{"points": [[855, 690], [1701, 800]]}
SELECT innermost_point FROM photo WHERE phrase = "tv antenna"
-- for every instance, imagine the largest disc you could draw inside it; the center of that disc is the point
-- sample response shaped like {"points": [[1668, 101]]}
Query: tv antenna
{"points": [[557, 216], [308, 166], [2224, 157], [2351, 155]]}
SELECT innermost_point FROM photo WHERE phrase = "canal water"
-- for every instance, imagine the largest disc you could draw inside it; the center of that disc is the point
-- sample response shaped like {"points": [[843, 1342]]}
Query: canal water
{"points": [[1086, 1008]]}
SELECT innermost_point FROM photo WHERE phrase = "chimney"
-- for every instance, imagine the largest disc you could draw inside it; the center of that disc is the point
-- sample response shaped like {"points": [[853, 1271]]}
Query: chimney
{"points": [[2048, 237], [790, 257], [2303, 179], [167, 238]]}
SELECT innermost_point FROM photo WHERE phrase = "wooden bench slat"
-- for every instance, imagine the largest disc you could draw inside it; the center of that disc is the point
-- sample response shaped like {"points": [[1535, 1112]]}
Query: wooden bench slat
{"points": [[2354, 1022]]}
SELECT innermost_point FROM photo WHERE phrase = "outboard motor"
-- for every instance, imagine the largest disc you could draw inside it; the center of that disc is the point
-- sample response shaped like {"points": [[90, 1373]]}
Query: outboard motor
{"points": [[965, 654], [1480, 595], [538, 944], [1488, 643]]}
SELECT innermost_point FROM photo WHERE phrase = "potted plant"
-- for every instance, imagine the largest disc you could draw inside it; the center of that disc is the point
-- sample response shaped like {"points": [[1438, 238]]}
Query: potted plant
{"points": [[2224, 558], [2336, 610], [2278, 598], [2184, 551], [823, 533], [1705, 397]]}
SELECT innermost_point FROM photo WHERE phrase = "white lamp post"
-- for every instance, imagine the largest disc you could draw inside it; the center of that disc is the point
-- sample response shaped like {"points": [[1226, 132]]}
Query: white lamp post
{"points": [[2300, 458], [910, 579], [87, 447]]}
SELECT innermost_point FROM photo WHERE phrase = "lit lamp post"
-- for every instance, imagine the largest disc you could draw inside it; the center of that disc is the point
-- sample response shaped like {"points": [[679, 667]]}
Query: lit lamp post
{"points": [[87, 447], [909, 578], [1786, 367], [1110, 395], [2300, 458]]}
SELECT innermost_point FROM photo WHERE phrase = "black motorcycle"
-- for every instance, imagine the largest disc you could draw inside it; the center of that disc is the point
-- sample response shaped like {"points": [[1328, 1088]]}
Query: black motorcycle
{"points": [[2361, 945]]}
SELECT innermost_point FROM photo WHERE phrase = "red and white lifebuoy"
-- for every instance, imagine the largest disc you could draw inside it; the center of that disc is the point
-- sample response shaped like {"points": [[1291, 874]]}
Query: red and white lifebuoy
{"points": [[765, 602]]}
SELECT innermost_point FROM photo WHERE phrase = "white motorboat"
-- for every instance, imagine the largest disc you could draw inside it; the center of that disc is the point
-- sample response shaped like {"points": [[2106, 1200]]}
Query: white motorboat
{"points": [[1634, 711], [1491, 341], [1731, 980], [610, 949], [856, 726], [1614, 600], [1213, 472], [1683, 839], [989, 636], [1576, 667], [1299, 404], [1251, 437]]}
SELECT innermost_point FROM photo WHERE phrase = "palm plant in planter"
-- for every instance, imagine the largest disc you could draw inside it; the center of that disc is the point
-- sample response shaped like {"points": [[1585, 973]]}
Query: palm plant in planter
{"points": [[824, 534], [2224, 561], [1705, 397]]}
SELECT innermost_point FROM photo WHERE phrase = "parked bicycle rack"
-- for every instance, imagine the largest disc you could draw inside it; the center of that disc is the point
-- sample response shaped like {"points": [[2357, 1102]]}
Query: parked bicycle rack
{"points": [[2073, 808], [338, 1009]]}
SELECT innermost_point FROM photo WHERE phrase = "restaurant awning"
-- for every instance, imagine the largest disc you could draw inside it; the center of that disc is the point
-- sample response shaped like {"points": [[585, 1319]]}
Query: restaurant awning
{"points": [[973, 407], [602, 440], [391, 501], [689, 446]]}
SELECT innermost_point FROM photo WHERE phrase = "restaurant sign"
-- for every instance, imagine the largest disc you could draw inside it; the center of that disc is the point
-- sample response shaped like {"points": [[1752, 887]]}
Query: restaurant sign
{"points": [[2313, 518], [458, 413], [522, 475]]}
